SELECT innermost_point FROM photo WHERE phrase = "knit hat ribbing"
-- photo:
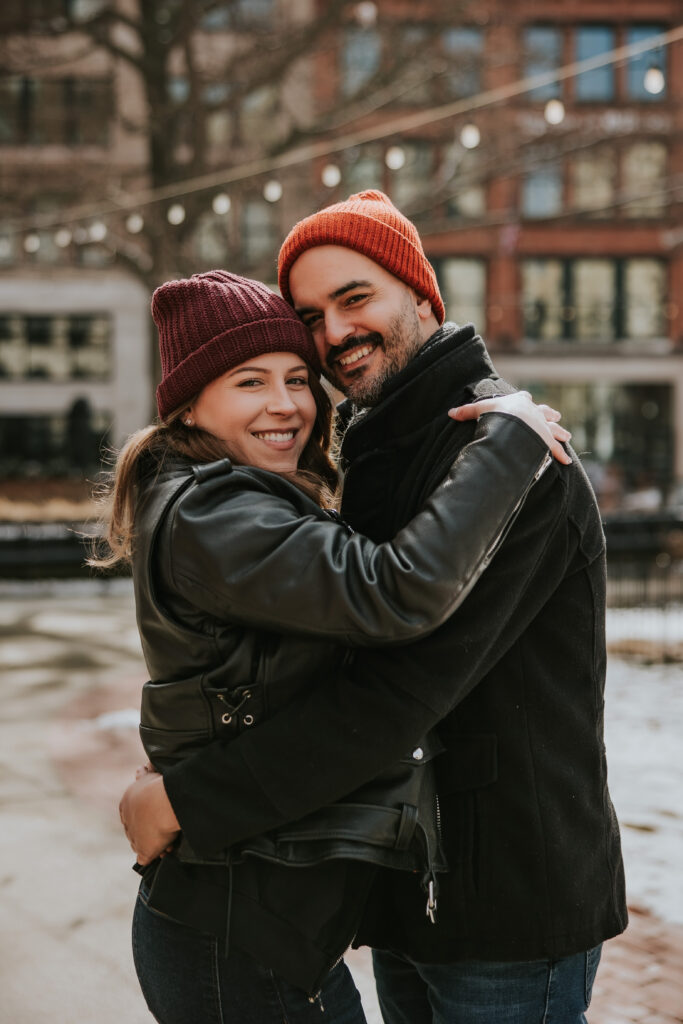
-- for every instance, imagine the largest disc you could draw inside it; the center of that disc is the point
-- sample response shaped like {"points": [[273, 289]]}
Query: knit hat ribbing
{"points": [[210, 322], [369, 223]]}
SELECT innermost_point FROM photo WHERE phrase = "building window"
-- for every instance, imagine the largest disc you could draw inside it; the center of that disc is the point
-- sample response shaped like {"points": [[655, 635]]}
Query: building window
{"points": [[411, 181], [593, 180], [542, 53], [542, 192], [210, 239], [626, 435], [543, 299], [462, 283], [259, 230], [363, 168], [54, 445], [463, 48], [594, 301], [644, 299], [55, 347], [238, 14], [598, 84], [643, 173], [360, 58], [638, 66], [61, 111]]}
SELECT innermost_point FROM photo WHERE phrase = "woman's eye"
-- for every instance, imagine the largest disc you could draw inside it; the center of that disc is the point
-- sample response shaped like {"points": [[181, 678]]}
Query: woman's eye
{"points": [[298, 381], [251, 382]]}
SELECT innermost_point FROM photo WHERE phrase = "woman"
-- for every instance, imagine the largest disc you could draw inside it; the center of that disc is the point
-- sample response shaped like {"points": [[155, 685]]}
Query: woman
{"points": [[247, 593]]}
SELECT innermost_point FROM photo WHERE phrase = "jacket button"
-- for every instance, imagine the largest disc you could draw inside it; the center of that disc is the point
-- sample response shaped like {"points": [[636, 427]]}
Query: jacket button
{"points": [[418, 753]]}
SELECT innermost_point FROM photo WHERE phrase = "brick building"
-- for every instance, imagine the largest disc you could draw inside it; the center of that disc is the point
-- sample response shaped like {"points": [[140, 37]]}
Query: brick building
{"points": [[552, 213]]}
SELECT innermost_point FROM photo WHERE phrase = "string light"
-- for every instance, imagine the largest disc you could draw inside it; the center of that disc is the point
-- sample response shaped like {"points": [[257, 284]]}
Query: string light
{"points": [[331, 175], [272, 191], [395, 158], [365, 14], [470, 136], [63, 238], [654, 80], [554, 112], [135, 223], [221, 204], [176, 214], [97, 231], [32, 243]]}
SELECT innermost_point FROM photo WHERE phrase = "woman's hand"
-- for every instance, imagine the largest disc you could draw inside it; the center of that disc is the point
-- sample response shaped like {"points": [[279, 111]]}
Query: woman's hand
{"points": [[147, 816], [540, 418]]}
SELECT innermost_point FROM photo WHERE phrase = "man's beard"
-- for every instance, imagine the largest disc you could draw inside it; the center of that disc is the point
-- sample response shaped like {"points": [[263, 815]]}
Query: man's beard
{"points": [[398, 345]]}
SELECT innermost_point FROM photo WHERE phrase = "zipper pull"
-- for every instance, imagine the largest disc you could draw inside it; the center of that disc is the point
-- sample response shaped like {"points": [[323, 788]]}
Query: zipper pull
{"points": [[317, 999], [431, 902]]}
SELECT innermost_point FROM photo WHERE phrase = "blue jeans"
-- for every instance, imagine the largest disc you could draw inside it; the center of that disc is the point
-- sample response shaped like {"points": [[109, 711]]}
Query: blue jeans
{"points": [[186, 979], [479, 992]]}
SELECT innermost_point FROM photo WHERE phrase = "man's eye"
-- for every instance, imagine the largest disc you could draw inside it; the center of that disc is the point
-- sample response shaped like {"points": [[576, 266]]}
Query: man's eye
{"points": [[353, 299]]}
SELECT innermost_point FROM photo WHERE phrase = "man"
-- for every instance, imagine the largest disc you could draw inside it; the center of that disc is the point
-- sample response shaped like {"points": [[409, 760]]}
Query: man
{"points": [[515, 677]]}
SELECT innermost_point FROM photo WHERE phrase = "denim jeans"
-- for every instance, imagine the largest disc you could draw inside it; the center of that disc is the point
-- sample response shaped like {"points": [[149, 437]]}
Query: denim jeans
{"points": [[186, 979], [479, 992]]}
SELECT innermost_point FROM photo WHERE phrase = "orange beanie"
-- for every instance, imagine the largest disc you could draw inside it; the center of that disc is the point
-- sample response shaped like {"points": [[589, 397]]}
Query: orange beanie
{"points": [[369, 223]]}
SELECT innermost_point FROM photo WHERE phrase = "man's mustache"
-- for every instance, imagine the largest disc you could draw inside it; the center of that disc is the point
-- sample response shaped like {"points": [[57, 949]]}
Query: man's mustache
{"points": [[338, 351]]}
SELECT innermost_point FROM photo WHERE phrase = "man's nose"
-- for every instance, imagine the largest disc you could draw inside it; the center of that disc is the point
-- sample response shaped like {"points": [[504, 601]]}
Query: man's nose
{"points": [[337, 329]]}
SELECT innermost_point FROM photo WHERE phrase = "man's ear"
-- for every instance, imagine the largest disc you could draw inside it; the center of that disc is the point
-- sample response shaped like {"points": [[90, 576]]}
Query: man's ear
{"points": [[423, 306]]}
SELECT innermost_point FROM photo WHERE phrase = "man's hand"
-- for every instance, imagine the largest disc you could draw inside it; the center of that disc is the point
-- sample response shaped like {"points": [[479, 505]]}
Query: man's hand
{"points": [[541, 418], [147, 817]]}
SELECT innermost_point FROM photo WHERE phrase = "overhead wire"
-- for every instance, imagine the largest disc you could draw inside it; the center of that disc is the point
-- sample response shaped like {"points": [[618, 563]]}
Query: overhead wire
{"points": [[392, 126]]}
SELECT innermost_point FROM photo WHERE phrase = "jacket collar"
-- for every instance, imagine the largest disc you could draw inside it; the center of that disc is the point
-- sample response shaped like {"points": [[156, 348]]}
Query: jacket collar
{"points": [[437, 378]]}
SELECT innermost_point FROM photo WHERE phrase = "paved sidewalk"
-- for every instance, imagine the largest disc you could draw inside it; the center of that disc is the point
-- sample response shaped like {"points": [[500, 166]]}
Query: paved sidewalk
{"points": [[71, 673]]}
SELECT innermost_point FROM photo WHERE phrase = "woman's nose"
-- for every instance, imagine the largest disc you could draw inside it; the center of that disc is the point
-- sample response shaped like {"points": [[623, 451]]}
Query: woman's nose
{"points": [[280, 402]]}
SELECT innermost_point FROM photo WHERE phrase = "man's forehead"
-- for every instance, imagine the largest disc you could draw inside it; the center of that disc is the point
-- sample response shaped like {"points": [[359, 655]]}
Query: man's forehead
{"points": [[329, 270]]}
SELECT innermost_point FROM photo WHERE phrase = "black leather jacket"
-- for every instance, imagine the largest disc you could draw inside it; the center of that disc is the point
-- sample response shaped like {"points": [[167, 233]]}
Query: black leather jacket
{"points": [[246, 596]]}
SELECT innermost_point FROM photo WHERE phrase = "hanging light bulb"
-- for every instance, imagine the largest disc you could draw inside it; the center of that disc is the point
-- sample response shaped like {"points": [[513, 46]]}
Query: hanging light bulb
{"points": [[365, 14], [62, 238], [272, 191], [221, 203], [470, 136], [395, 158], [654, 80], [554, 112], [32, 243], [135, 222], [97, 231], [331, 175], [176, 214]]}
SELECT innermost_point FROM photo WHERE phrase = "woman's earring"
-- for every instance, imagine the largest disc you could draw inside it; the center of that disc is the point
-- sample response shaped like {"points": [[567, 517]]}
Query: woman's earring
{"points": [[188, 421]]}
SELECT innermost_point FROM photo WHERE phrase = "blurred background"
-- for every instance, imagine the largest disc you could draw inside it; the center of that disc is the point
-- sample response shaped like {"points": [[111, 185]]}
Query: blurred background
{"points": [[539, 149]]}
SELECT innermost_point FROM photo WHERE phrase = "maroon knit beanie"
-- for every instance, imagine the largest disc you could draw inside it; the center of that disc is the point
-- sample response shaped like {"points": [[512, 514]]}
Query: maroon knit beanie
{"points": [[210, 322], [369, 223]]}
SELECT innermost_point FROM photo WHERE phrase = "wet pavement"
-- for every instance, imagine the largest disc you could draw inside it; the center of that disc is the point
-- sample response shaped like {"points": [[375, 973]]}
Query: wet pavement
{"points": [[71, 671]]}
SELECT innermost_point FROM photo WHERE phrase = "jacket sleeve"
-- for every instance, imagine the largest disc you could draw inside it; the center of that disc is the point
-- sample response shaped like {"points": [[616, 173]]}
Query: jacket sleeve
{"points": [[348, 728], [249, 547]]}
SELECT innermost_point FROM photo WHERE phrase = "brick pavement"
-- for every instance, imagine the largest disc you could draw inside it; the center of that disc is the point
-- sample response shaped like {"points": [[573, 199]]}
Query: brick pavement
{"points": [[640, 980]]}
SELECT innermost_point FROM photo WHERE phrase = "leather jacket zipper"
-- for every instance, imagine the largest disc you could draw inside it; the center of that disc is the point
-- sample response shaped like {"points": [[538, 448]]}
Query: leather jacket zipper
{"points": [[497, 541]]}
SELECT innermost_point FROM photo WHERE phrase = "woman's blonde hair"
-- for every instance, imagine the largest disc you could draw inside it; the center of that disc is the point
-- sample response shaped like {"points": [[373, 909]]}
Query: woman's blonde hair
{"points": [[316, 475]]}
